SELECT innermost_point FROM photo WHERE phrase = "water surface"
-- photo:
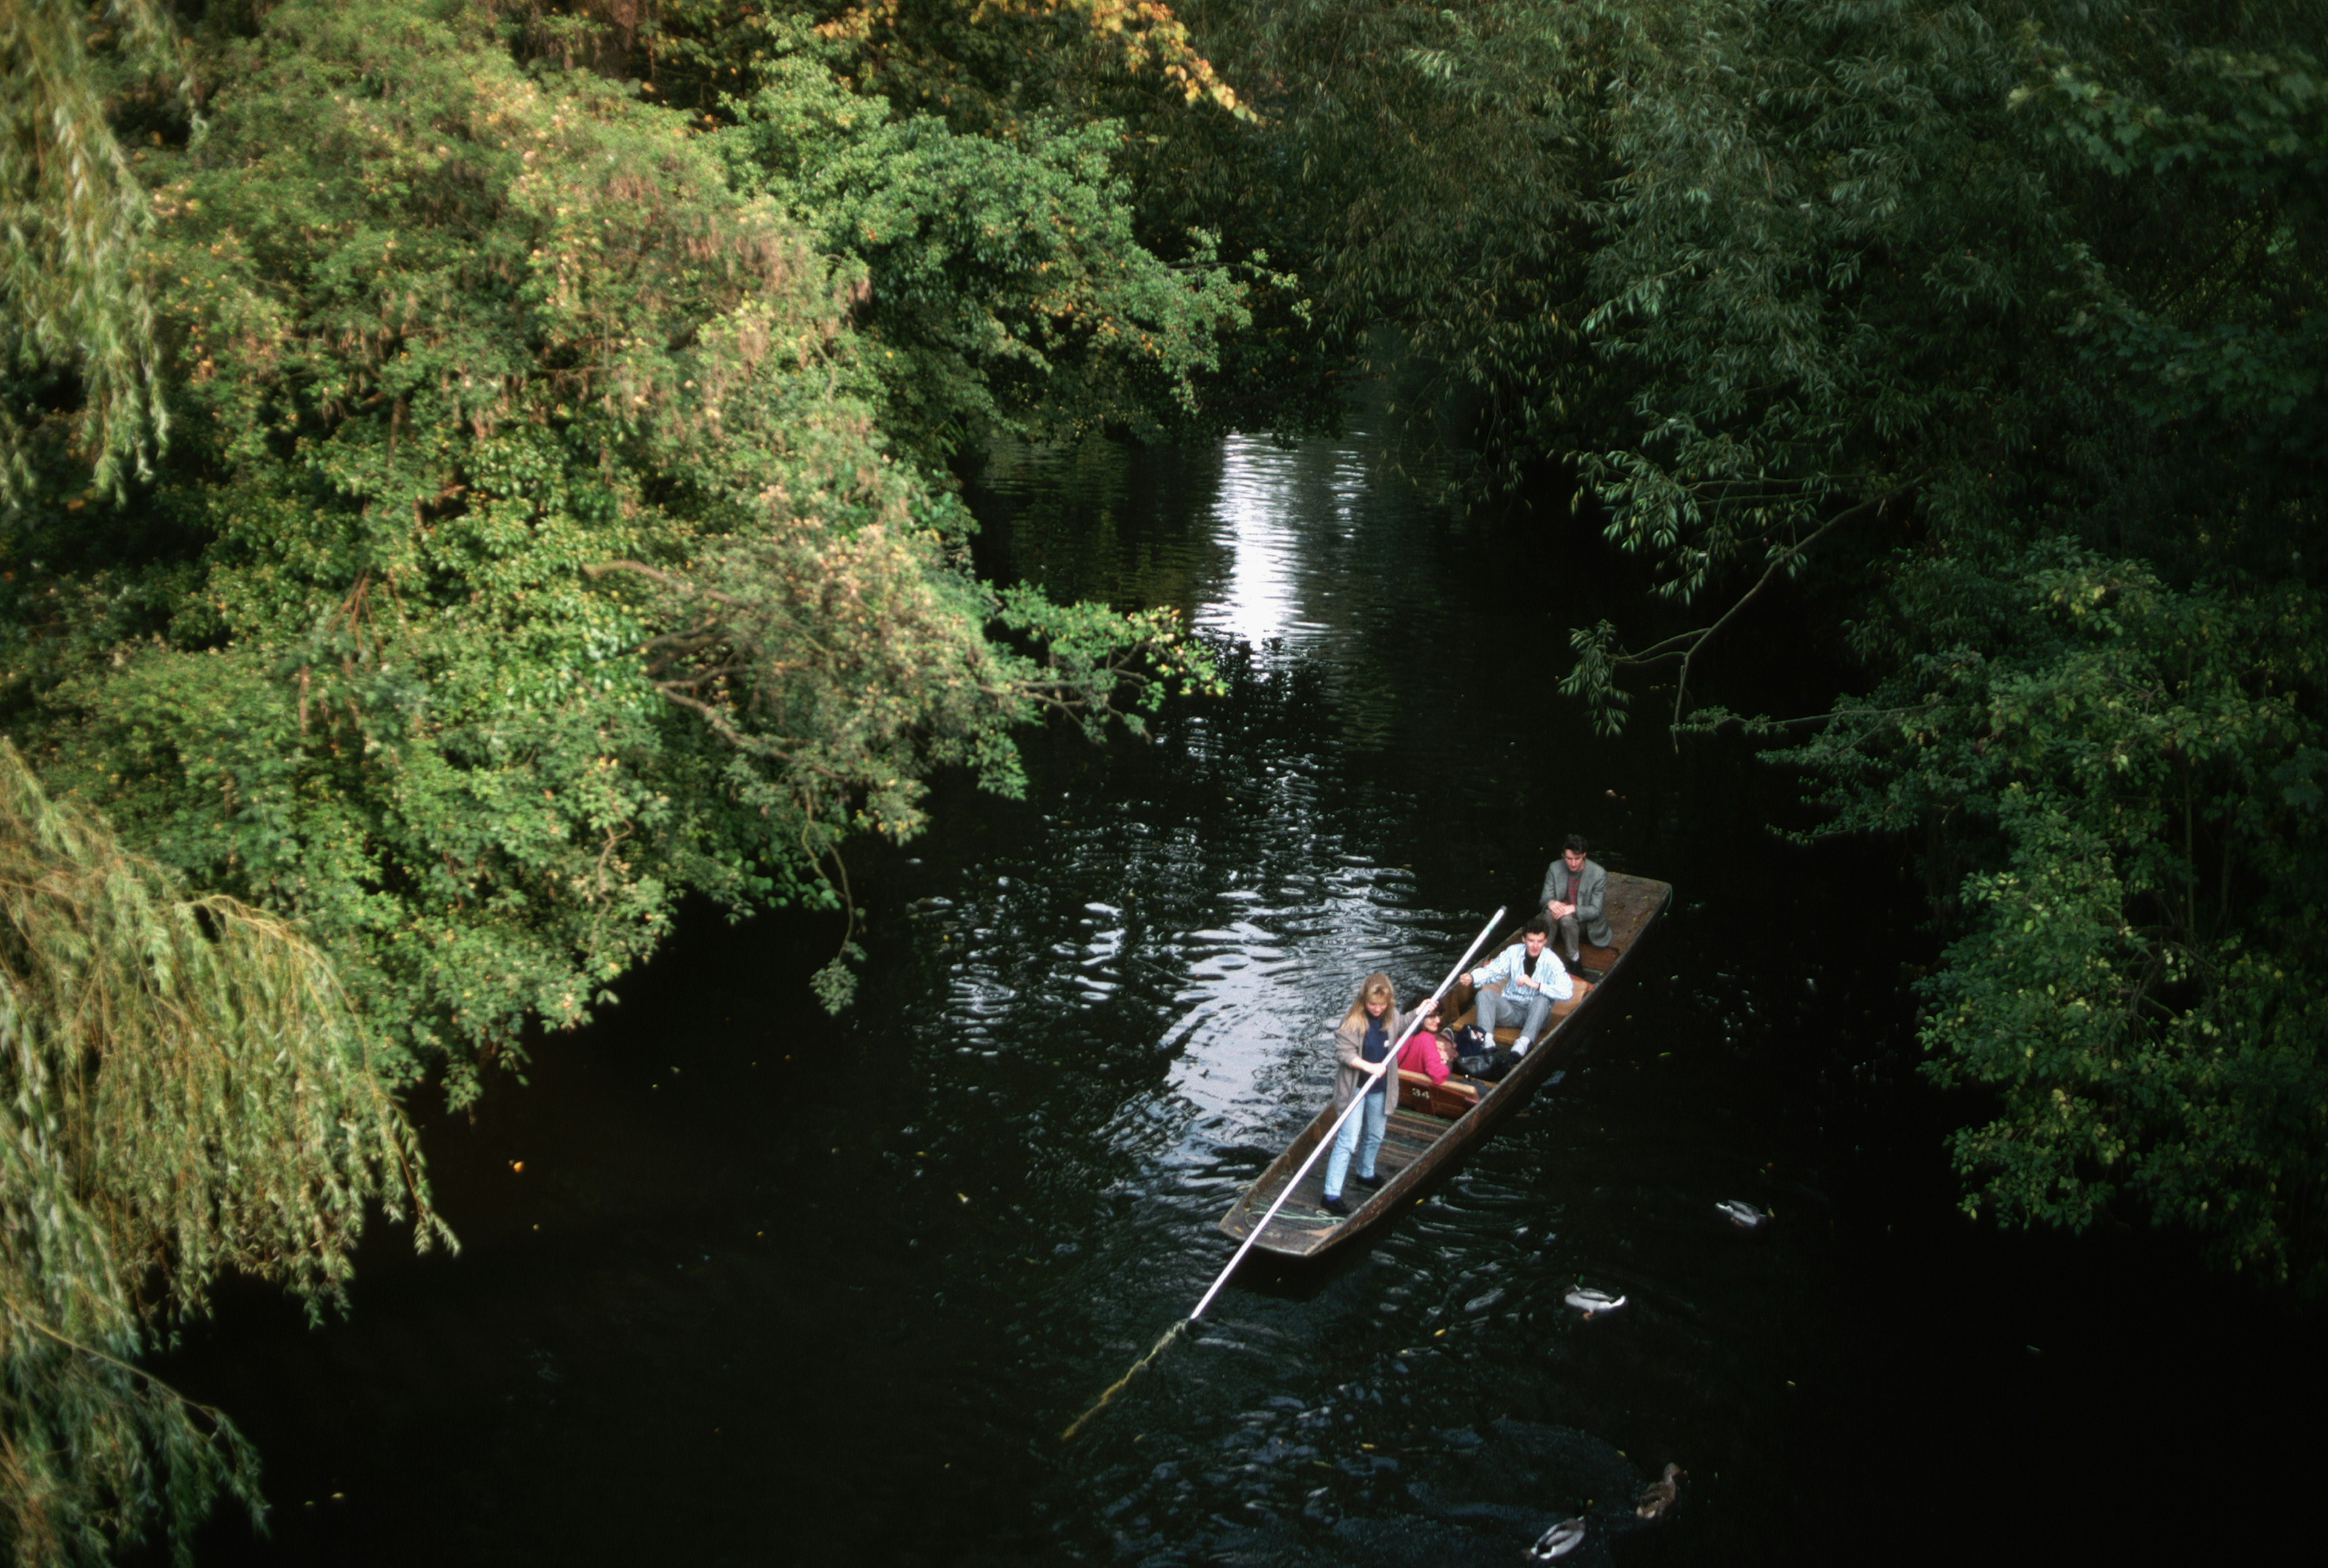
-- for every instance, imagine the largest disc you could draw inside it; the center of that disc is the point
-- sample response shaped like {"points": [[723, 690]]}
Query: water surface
{"points": [[744, 1284]]}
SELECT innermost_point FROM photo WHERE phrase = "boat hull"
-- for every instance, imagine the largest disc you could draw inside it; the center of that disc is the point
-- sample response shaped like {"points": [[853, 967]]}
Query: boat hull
{"points": [[1425, 1139]]}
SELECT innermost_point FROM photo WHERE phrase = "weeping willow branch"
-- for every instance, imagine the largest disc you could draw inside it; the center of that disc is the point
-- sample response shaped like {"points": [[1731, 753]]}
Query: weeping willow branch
{"points": [[73, 220], [184, 1090]]}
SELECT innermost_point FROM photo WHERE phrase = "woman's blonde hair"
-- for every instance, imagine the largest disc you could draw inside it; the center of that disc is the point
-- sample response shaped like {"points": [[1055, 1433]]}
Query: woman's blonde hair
{"points": [[1373, 985]]}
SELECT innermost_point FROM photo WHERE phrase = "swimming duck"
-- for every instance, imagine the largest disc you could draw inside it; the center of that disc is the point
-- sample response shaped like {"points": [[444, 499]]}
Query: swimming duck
{"points": [[1742, 1213], [1557, 1542], [1589, 1300], [1658, 1496]]}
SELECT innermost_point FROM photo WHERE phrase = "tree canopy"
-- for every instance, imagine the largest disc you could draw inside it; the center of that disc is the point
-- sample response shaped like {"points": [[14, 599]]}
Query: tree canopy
{"points": [[548, 524], [72, 217], [1997, 328], [185, 1088], [472, 476], [532, 551]]}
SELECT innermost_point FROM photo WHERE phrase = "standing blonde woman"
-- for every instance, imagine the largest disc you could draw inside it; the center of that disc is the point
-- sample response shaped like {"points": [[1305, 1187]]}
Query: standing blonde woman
{"points": [[1362, 1058]]}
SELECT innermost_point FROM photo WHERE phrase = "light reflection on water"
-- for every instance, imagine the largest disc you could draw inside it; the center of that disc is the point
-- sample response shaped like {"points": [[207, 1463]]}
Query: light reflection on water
{"points": [[1269, 499], [1345, 1419], [1303, 553]]}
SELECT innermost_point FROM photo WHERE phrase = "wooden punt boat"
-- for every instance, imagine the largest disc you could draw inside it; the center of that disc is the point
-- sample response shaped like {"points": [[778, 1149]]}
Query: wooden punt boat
{"points": [[1433, 1126]]}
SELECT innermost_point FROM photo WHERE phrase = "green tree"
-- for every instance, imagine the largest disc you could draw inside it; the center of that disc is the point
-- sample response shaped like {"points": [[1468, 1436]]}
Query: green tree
{"points": [[534, 553], [184, 1089], [2129, 772], [532, 550], [986, 162], [1976, 321], [1009, 291], [72, 215]]}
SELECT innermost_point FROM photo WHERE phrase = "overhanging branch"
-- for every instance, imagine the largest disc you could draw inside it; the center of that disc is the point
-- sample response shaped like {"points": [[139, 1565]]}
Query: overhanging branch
{"points": [[1687, 646]]}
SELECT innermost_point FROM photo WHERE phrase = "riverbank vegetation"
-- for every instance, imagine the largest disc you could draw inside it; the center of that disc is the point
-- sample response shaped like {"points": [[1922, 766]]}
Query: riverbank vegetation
{"points": [[460, 506], [475, 474], [1998, 327]]}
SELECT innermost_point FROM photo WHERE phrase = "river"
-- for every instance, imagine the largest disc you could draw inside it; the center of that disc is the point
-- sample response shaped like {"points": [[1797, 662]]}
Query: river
{"points": [[743, 1284]]}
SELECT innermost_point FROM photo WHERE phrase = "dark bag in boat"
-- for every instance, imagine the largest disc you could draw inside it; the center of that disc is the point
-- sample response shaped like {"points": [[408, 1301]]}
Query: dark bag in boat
{"points": [[1491, 1066], [1478, 1056]]}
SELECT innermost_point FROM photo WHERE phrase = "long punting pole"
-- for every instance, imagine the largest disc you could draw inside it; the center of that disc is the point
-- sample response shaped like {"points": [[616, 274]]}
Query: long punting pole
{"points": [[1391, 1062]]}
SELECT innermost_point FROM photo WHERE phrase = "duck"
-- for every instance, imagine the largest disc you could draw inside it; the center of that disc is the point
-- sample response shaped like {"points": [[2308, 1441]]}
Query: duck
{"points": [[1659, 1495], [1742, 1213], [1557, 1542], [1589, 1300]]}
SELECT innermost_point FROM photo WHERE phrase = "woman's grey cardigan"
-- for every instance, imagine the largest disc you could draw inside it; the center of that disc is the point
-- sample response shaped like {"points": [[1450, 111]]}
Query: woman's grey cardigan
{"points": [[1349, 1070]]}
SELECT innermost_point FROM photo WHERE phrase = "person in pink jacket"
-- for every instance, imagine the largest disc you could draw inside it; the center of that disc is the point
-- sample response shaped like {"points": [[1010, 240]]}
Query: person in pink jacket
{"points": [[1426, 1050]]}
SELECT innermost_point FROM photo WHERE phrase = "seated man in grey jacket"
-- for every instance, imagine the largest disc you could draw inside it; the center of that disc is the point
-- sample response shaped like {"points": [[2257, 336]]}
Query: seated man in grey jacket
{"points": [[1574, 891], [1521, 983]]}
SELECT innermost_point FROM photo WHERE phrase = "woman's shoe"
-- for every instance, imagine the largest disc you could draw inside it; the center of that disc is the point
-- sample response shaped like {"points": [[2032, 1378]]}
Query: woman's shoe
{"points": [[1370, 1181], [1335, 1204]]}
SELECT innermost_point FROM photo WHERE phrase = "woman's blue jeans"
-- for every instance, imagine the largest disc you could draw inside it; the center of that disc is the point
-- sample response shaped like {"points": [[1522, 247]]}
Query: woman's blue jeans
{"points": [[1367, 1143]]}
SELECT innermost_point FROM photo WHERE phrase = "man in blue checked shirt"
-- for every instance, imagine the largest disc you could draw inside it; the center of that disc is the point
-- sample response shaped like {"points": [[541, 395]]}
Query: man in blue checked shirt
{"points": [[1522, 982]]}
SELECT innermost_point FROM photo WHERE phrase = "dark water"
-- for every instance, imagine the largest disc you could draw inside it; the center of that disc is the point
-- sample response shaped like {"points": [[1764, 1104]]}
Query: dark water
{"points": [[773, 1288]]}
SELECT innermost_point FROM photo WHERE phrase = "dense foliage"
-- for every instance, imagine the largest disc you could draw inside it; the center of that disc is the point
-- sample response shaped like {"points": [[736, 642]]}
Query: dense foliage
{"points": [[1009, 291], [2046, 289], [71, 216], [473, 475], [2001, 321], [545, 527], [184, 1088], [531, 551]]}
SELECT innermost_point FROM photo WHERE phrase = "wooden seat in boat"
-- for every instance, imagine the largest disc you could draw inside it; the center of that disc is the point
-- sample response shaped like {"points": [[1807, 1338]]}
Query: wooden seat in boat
{"points": [[1507, 1033], [1450, 1099], [1459, 1095]]}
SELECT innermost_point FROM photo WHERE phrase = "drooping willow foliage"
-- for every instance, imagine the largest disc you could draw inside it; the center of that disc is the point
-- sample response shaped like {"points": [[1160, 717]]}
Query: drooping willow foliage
{"points": [[184, 1090], [72, 217], [549, 530]]}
